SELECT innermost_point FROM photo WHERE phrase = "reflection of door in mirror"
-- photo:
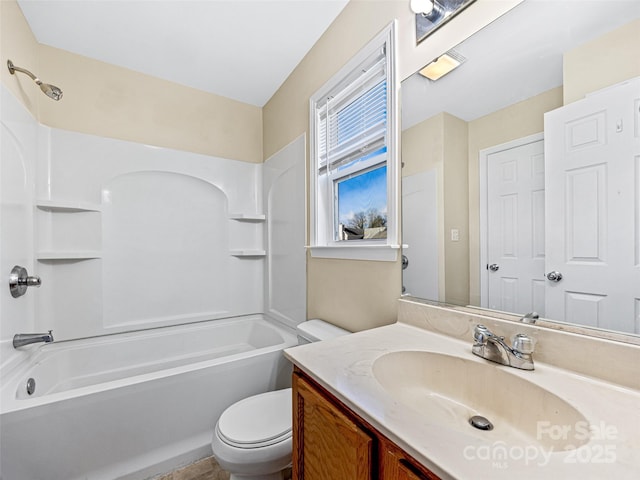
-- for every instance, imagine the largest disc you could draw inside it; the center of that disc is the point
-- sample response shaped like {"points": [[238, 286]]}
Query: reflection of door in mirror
{"points": [[593, 189], [512, 226], [419, 200]]}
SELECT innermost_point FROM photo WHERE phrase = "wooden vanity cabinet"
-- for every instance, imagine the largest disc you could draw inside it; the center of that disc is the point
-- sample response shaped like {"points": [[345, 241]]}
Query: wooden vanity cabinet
{"points": [[330, 442], [397, 465]]}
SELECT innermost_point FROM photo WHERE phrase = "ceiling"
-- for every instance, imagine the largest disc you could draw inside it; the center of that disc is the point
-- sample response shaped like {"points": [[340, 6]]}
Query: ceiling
{"points": [[240, 49], [516, 57]]}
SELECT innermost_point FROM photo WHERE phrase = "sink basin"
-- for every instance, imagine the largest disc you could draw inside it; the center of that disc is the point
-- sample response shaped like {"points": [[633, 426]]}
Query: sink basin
{"points": [[450, 390]]}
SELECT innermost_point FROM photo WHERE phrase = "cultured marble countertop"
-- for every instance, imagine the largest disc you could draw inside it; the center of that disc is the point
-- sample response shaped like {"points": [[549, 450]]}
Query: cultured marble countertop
{"points": [[454, 449]]}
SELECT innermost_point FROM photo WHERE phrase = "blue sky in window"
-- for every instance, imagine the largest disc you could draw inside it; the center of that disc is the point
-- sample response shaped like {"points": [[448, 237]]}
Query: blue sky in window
{"points": [[362, 193]]}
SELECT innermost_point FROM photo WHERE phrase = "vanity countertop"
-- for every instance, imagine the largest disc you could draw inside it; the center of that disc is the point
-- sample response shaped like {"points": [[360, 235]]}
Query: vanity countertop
{"points": [[611, 449]]}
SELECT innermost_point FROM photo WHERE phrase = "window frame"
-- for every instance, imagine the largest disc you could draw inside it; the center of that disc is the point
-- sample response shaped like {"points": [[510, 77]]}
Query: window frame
{"points": [[322, 195]]}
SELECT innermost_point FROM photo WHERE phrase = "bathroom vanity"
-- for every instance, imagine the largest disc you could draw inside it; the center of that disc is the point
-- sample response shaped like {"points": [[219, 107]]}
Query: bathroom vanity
{"points": [[331, 441], [396, 402]]}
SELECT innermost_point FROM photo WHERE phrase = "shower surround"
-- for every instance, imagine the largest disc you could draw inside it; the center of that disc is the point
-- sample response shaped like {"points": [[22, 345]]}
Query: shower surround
{"points": [[130, 237]]}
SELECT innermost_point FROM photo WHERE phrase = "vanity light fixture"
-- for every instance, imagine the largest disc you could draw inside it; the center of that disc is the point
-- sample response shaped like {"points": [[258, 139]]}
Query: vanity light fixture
{"points": [[422, 7], [442, 65], [432, 14]]}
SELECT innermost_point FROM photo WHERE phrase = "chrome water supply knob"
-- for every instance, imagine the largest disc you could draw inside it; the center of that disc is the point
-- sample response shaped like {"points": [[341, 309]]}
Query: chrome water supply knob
{"points": [[523, 344], [19, 280]]}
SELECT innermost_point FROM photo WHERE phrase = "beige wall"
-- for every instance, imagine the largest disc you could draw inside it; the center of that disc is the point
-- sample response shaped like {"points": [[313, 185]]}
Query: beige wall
{"points": [[18, 44], [358, 294], [421, 146], [605, 61], [456, 210], [111, 101]]}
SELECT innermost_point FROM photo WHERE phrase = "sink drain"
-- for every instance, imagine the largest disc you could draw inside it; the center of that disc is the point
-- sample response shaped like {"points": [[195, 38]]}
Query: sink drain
{"points": [[31, 386], [480, 422]]}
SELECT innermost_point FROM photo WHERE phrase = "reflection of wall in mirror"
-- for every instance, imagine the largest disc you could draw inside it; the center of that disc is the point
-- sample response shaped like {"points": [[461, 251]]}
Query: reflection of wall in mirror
{"points": [[438, 145], [607, 60]]}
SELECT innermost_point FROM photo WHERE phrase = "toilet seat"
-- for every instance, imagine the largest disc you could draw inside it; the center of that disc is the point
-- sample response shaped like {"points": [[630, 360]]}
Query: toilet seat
{"points": [[257, 421]]}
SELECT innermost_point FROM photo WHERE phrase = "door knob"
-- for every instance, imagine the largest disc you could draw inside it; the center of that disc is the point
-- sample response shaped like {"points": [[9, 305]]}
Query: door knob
{"points": [[554, 276], [19, 280], [494, 267]]}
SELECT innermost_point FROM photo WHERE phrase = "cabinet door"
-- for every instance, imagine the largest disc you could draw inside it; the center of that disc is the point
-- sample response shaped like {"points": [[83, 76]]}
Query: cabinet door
{"points": [[327, 444], [398, 466]]}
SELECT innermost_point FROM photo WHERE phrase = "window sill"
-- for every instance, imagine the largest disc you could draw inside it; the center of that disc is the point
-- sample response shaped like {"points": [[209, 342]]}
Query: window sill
{"points": [[380, 253]]}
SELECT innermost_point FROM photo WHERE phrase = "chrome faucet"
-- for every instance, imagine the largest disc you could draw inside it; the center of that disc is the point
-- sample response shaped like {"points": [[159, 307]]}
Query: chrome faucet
{"points": [[530, 317], [492, 347], [22, 339]]}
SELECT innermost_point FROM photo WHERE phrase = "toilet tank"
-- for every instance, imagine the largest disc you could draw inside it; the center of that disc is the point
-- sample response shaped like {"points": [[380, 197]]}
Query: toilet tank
{"points": [[316, 330]]}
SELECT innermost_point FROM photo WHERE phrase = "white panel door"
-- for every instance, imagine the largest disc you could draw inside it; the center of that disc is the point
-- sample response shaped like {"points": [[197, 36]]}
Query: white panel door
{"points": [[515, 228], [593, 202], [421, 276]]}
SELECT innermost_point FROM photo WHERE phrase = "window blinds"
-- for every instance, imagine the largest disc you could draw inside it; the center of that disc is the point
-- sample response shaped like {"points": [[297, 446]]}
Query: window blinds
{"points": [[352, 118]]}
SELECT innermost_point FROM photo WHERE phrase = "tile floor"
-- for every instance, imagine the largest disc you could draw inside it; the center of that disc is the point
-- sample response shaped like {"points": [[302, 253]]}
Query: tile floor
{"points": [[205, 469]]}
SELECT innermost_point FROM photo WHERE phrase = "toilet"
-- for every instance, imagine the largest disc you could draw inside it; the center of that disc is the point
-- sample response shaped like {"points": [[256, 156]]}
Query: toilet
{"points": [[252, 438]]}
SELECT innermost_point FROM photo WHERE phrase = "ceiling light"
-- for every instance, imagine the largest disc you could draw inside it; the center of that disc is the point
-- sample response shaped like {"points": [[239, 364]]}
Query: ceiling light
{"points": [[442, 65], [432, 14], [423, 7]]}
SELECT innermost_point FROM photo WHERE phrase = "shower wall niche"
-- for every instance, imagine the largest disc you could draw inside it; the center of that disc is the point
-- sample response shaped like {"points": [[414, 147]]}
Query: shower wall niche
{"points": [[130, 236]]}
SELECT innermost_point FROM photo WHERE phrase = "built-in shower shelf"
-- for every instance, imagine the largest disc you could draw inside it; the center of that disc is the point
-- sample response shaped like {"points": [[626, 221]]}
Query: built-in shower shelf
{"points": [[68, 255], [67, 206], [248, 253], [248, 217]]}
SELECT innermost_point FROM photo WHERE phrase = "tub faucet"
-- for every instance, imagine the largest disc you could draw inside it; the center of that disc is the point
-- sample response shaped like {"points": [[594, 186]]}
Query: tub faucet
{"points": [[22, 339], [492, 347]]}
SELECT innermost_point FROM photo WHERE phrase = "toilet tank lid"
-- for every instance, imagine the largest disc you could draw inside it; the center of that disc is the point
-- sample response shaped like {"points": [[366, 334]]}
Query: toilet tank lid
{"points": [[316, 330]]}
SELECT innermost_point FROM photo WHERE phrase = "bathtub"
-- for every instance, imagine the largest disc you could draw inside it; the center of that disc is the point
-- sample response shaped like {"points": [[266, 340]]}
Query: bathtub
{"points": [[133, 405]]}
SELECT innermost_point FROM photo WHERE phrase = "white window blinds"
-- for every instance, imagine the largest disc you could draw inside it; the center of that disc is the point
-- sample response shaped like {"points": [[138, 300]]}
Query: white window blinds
{"points": [[356, 110]]}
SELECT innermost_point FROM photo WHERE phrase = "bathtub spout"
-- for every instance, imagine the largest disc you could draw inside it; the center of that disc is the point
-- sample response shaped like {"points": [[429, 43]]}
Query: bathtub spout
{"points": [[22, 339]]}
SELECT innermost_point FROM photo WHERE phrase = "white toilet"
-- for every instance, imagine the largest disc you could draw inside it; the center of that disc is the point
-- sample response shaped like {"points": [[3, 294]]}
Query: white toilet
{"points": [[252, 439]]}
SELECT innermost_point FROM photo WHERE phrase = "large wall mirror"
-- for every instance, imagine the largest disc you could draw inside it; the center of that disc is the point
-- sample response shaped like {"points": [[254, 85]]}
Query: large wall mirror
{"points": [[521, 168]]}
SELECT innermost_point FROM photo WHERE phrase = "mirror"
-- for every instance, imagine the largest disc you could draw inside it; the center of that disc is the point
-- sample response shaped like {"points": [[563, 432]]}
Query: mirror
{"points": [[493, 215]]}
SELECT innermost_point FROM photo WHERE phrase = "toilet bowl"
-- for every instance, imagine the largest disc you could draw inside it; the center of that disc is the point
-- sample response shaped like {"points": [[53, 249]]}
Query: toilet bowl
{"points": [[252, 438]]}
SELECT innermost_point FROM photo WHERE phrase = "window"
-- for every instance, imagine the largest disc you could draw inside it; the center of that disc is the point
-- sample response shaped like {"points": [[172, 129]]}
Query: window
{"points": [[354, 174]]}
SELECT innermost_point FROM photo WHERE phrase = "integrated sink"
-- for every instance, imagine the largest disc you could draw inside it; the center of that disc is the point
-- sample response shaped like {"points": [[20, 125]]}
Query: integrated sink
{"points": [[451, 389]]}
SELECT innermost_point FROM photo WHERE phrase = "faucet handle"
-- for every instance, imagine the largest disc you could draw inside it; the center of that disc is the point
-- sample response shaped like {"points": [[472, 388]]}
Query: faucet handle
{"points": [[523, 344], [481, 334]]}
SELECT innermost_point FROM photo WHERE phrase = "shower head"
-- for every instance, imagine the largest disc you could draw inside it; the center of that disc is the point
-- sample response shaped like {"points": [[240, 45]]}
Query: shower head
{"points": [[50, 91]]}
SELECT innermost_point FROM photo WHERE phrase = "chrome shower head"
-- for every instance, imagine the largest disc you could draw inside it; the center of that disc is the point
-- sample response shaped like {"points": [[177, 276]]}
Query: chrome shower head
{"points": [[50, 91]]}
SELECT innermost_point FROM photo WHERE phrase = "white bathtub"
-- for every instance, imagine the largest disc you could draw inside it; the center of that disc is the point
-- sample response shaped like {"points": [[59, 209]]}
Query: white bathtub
{"points": [[133, 405]]}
